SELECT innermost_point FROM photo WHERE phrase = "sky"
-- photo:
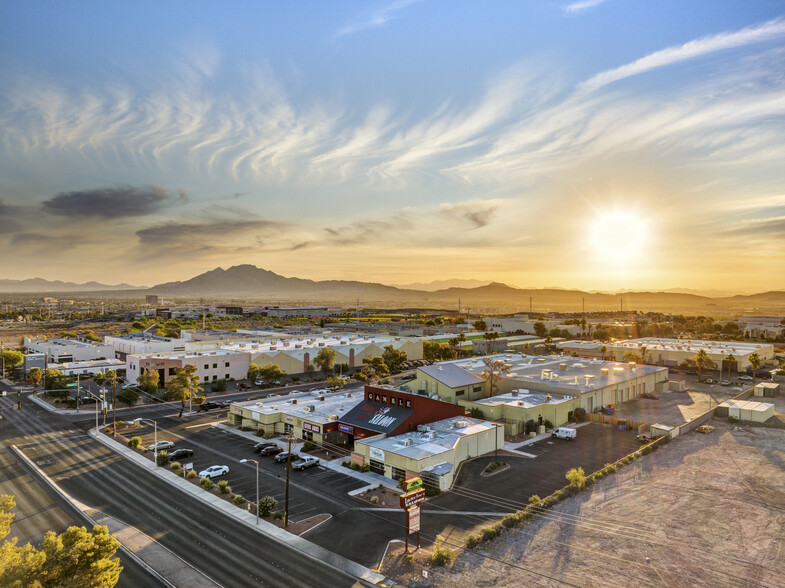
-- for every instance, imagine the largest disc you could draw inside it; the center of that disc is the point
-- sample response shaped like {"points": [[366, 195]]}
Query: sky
{"points": [[593, 144]]}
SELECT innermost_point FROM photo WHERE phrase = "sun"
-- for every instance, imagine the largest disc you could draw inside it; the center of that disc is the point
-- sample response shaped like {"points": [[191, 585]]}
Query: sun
{"points": [[619, 237]]}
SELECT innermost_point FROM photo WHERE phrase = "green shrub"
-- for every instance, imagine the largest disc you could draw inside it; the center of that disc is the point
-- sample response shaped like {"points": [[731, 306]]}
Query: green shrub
{"points": [[646, 450], [134, 442], [224, 487], [278, 516], [245, 428], [510, 521], [268, 435], [471, 542], [309, 446], [191, 474], [206, 483], [535, 500], [489, 533], [175, 465], [259, 432], [548, 424], [577, 478], [267, 505], [162, 458], [374, 499], [178, 471], [410, 558], [441, 555], [610, 468], [238, 500], [366, 467]]}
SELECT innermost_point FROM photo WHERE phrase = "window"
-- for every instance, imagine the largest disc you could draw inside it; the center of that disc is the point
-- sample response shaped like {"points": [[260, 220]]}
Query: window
{"points": [[226, 365], [226, 376], [460, 392], [171, 371], [215, 365], [215, 378], [307, 435], [287, 428], [477, 389], [398, 473], [207, 366], [377, 467], [408, 404]]}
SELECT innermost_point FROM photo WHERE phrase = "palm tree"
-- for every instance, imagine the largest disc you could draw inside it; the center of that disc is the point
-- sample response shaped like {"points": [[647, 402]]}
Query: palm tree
{"points": [[603, 349], [455, 344], [730, 360], [701, 359], [755, 362], [644, 349], [461, 340], [583, 327]]}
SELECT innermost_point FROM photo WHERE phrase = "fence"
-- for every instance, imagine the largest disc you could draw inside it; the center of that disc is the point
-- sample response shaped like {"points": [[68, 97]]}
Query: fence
{"points": [[706, 416], [612, 420]]}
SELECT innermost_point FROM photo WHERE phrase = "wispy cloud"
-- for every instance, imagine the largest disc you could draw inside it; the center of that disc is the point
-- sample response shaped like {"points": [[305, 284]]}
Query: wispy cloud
{"points": [[703, 46], [377, 19], [576, 8]]}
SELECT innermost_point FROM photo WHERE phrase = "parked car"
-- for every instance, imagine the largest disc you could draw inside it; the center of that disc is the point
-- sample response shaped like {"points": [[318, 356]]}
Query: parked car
{"points": [[160, 446], [564, 433], [244, 386], [263, 444], [745, 378], [284, 455], [214, 471], [180, 453], [725, 383], [709, 381], [271, 450], [208, 406], [307, 461]]}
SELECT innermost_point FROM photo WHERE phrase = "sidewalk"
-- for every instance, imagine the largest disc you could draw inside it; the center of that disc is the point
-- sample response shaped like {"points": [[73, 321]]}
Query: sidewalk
{"points": [[302, 545]]}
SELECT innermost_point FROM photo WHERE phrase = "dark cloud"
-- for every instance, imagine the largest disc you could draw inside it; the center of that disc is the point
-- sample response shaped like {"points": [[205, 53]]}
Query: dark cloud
{"points": [[110, 203], [476, 214], [195, 233], [48, 242]]}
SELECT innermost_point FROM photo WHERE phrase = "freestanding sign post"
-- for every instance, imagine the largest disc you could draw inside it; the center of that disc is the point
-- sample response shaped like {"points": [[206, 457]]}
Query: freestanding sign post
{"points": [[410, 502]]}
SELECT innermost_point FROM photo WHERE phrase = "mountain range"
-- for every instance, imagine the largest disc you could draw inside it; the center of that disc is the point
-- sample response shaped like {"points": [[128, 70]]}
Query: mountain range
{"points": [[39, 285]]}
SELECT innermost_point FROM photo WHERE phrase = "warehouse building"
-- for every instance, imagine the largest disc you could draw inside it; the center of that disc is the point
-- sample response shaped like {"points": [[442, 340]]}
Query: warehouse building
{"points": [[67, 350], [595, 383], [520, 408], [143, 344], [673, 352], [433, 452], [210, 365]]}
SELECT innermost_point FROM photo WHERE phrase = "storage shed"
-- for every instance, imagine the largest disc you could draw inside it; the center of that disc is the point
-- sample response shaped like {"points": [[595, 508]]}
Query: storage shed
{"points": [[767, 389], [746, 410]]}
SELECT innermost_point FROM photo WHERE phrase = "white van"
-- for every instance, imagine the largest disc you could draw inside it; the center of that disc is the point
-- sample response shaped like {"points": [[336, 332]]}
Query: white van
{"points": [[564, 433]]}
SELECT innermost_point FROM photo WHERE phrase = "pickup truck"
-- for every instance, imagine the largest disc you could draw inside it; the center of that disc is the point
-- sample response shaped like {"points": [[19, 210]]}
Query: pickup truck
{"points": [[305, 462]]}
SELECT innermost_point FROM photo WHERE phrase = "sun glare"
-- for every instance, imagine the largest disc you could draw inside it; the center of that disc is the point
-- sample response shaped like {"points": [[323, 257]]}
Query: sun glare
{"points": [[619, 238]]}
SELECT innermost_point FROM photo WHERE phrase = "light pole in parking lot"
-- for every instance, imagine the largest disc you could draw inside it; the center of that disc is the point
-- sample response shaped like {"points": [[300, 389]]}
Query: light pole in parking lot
{"points": [[257, 486], [155, 438]]}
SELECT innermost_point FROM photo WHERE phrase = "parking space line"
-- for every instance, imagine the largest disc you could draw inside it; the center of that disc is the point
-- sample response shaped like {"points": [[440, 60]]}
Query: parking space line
{"points": [[200, 425]]}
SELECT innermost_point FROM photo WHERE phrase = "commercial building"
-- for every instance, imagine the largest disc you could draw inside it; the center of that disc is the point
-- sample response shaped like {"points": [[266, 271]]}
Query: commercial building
{"points": [[762, 326], [433, 452], [518, 408], [673, 352], [296, 355], [591, 349], [210, 365], [294, 311], [67, 350], [522, 322], [143, 344], [595, 383], [84, 368]]}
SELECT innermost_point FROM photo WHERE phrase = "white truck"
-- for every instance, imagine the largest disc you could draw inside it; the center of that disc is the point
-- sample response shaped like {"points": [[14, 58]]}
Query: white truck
{"points": [[564, 433]]}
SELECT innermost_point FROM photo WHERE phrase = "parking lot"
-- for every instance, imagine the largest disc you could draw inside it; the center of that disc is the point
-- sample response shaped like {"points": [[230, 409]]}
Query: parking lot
{"points": [[542, 474]]}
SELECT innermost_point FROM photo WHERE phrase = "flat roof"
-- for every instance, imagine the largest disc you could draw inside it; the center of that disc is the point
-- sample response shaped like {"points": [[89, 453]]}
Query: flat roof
{"points": [[523, 398], [314, 342], [190, 354], [691, 345], [441, 436], [335, 404], [451, 375], [571, 374], [71, 365], [60, 342]]}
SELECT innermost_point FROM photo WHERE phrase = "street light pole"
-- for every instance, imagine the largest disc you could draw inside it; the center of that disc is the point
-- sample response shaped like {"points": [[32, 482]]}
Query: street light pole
{"points": [[257, 486], [288, 470], [155, 439]]}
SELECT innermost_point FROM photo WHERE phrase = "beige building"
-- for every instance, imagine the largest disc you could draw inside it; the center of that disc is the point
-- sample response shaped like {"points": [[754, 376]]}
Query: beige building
{"points": [[673, 352], [434, 452], [210, 365], [595, 383], [518, 407]]}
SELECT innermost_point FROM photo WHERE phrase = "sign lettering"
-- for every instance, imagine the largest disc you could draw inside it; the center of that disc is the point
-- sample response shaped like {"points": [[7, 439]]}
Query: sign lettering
{"points": [[411, 499], [377, 454], [414, 520], [310, 427], [346, 428]]}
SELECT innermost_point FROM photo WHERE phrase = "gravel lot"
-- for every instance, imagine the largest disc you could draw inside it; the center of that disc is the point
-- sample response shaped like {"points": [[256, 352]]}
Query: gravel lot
{"points": [[704, 510]]}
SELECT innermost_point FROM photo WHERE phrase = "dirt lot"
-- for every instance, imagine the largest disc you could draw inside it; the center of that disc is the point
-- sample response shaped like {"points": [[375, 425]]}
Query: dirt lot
{"points": [[704, 510]]}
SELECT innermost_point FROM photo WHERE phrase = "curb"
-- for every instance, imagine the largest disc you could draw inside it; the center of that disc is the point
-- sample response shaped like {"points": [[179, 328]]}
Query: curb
{"points": [[305, 547], [78, 506]]}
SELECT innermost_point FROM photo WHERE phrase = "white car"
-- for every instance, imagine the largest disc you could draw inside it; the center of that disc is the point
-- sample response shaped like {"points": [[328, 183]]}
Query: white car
{"points": [[746, 378], [564, 433], [214, 472], [160, 446]]}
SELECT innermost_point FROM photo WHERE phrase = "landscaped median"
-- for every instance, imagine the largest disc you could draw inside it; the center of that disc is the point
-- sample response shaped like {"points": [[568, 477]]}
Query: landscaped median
{"points": [[227, 503]]}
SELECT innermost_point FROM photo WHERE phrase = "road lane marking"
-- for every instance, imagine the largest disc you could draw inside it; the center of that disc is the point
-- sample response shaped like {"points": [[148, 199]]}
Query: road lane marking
{"points": [[201, 425]]}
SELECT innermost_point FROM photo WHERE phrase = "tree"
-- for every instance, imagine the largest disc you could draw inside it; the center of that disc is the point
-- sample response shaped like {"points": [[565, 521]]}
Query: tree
{"points": [[494, 370], [454, 344], [12, 358], [335, 382], [374, 368], [755, 362], [490, 335], [325, 359], [479, 325], [632, 357], [730, 361], [577, 478], [435, 351], [393, 358], [76, 557], [644, 349], [583, 326], [99, 378], [267, 504], [701, 358], [128, 396], [271, 372], [149, 381], [603, 350], [35, 374], [253, 372], [539, 329], [184, 386]]}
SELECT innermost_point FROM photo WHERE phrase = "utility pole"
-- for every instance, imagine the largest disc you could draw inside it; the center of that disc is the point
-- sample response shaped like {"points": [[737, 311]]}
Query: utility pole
{"points": [[288, 470], [114, 405], [530, 304]]}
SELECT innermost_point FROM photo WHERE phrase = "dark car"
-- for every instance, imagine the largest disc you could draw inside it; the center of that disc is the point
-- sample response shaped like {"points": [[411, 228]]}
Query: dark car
{"points": [[208, 406], [261, 445], [284, 455], [272, 450], [180, 453]]}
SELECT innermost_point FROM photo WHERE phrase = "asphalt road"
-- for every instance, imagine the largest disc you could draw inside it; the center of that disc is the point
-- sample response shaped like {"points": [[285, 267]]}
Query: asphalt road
{"points": [[222, 548]]}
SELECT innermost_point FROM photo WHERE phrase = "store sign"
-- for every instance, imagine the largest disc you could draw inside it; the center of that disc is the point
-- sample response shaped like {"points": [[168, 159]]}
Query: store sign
{"points": [[412, 484], [255, 416], [289, 418], [237, 410], [377, 454], [414, 520], [346, 428], [310, 427], [188, 466], [411, 499]]}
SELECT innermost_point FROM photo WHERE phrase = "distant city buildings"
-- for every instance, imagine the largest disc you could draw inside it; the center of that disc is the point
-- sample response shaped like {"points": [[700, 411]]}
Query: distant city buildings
{"points": [[771, 327]]}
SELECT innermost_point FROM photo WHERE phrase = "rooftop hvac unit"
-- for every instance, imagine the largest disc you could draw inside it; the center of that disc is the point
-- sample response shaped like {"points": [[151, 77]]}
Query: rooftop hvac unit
{"points": [[333, 417], [460, 424], [294, 401], [348, 395], [273, 348], [310, 408], [514, 393], [604, 371], [562, 366], [408, 442], [544, 374], [321, 344], [554, 376], [548, 397], [298, 346], [430, 435], [422, 428], [321, 398], [576, 380], [521, 403]]}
